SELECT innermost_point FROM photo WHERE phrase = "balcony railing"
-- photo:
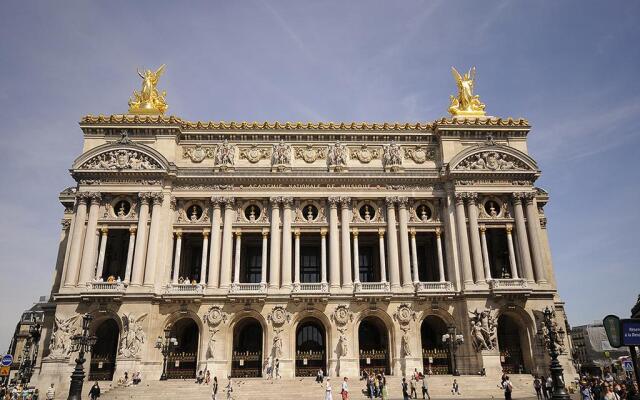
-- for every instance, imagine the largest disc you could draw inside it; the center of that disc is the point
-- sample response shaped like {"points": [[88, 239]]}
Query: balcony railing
{"points": [[311, 288], [372, 287], [508, 284], [248, 288], [114, 287], [434, 287], [184, 288]]}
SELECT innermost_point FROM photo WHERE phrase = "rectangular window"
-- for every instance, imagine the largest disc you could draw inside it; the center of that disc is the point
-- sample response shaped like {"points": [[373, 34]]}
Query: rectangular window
{"points": [[115, 258], [251, 258], [498, 250], [427, 251], [369, 257], [310, 258], [191, 257]]}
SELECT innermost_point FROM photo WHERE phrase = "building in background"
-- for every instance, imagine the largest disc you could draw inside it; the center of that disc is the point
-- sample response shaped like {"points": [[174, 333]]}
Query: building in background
{"points": [[25, 342], [592, 352]]}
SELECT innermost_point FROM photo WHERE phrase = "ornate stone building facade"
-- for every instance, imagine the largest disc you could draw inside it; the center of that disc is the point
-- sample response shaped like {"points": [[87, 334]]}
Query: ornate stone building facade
{"points": [[341, 246]]}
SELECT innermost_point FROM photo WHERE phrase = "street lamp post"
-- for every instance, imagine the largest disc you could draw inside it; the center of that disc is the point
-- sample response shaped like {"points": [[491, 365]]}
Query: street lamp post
{"points": [[559, 389], [27, 362], [165, 345], [82, 343], [453, 340]]}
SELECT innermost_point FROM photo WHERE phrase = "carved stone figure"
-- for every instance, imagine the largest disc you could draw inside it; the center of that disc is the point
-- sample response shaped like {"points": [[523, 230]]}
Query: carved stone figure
{"points": [[343, 343], [63, 330], [149, 100], [277, 343], [392, 157], [120, 159], [337, 156], [406, 349], [483, 329], [133, 336], [466, 103], [492, 161], [225, 154], [279, 315], [281, 154]]}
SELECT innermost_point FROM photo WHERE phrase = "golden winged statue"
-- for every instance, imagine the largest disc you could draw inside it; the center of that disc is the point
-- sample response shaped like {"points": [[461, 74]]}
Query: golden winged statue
{"points": [[466, 104], [149, 100]]}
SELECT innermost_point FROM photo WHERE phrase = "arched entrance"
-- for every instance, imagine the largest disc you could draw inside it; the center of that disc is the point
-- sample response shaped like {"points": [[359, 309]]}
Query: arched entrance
{"points": [[436, 358], [373, 340], [246, 360], [510, 345], [182, 360], [103, 356], [310, 348]]}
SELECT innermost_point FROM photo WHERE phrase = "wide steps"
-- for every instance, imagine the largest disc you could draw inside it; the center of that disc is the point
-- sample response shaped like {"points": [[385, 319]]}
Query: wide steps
{"points": [[307, 388]]}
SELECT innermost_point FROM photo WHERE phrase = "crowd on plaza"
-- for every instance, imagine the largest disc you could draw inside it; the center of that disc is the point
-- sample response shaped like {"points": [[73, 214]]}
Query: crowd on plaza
{"points": [[608, 387]]}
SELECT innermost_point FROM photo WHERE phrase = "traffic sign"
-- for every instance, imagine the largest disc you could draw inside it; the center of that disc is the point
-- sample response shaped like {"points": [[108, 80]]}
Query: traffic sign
{"points": [[612, 328], [630, 332], [5, 370], [7, 360], [627, 365]]}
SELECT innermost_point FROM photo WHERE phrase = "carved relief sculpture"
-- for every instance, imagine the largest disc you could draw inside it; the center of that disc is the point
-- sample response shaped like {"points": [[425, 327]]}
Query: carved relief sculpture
{"points": [[392, 157], [197, 153], [337, 156], [225, 154], [491, 161], [483, 329], [254, 153], [214, 317], [281, 154], [133, 336], [310, 153], [364, 154], [121, 159], [63, 330], [420, 154]]}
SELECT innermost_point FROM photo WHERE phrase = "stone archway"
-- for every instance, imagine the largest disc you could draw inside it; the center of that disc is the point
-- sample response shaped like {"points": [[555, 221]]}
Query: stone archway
{"points": [[103, 356], [512, 344], [436, 358], [311, 347], [374, 346], [246, 356], [183, 359]]}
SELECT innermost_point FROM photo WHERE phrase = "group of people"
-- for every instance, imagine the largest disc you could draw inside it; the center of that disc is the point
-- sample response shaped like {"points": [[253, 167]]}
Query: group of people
{"points": [[135, 379], [18, 392], [608, 388], [375, 384]]}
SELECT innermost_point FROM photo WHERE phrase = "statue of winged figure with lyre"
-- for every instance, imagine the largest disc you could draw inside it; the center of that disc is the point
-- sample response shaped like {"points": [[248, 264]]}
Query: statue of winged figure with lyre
{"points": [[149, 100], [466, 104]]}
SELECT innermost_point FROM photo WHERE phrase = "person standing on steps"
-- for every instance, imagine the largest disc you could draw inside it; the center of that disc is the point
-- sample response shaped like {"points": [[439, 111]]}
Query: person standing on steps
{"points": [[51, 393], [344, 391], [507, 387], [327, 390], [405, 389], [229, 389], [214, 389], [412, 383], [537, 385], [455, 388], [277, 369], [425, 388], [94, 393]]}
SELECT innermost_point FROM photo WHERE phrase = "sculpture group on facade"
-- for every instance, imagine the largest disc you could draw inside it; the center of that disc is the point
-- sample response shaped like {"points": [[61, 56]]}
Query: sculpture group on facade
{"points": [[466, 103], [337, 157], [214, 317], [225, 154], [133, 336], [149, 100], [120, 159], [392, 156], [281, 154], [484, 326], [490, 160], [63, 330]]}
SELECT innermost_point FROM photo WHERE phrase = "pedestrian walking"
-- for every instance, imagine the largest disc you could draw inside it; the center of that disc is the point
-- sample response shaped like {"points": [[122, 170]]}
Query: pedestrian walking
{"points": [[94, 393], [277, 368], [214, 389], [405, 389], [537, 385], [207, 377], [425, 388], [327, 390], [507, 386], [549, 387], [51, 393], [344, 390], [412, 385], [229, 389]]}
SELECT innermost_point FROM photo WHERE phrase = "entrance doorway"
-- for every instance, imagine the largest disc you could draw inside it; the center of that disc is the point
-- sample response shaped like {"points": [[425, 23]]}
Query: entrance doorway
{"points": [[182, 361], [509, 343], [246, 360], [373, 340], [310, 348], [436, 358], [103, 356]]}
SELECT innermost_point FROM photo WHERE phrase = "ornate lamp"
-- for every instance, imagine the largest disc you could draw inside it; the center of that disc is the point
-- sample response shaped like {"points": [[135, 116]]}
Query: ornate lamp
{"points": [[453, 340], [82, 343], [165, 345], [559, 389]]}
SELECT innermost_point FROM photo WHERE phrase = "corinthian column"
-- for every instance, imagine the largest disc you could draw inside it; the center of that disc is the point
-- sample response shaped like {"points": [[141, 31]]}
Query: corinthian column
{"points": [[440, 255], [463, 239], [474, 233], [227, 242], [274, 260], [414, 256], [383, 258], [236, 268], [132, 243], [523, 241], [176, 257], [154, 239], [334, 244], [296, 262], [405, 255], [77, 238], [392, 243], [203, 263], [356, 261], [286, 242], [533, 228], [323, 255], [214, 254], [512, 254], [89, 255], [346, 241], [141, 240], [103, 248], [263, 258], [485, 253]]}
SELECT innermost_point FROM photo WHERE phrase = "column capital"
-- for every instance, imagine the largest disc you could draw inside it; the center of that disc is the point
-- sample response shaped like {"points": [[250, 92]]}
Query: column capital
{"points": [[88, 197], [471, 198], [390, 201], [205, 233], [133, 229], [287, 202], [238, 232], [509, 228], [229, 202], [296, 232], [529, 197], [459, 198], [333, 201], [275, 201], [217, 201], [403, 201], [483, 228], [265, 233], [345, 201], [178, 233], [323, 232], [412, 232], [145, 197], [66, 223], [438, 232], [381, 232], [355, 232], [517, 197], [104, 230]]}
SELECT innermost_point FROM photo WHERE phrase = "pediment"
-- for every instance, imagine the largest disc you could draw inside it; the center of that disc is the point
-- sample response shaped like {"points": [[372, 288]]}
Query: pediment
{"points": [[492, 158], [121, 157]]}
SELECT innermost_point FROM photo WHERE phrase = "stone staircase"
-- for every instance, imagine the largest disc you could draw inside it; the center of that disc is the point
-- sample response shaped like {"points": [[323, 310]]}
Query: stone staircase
{"points": [[306, 388]]}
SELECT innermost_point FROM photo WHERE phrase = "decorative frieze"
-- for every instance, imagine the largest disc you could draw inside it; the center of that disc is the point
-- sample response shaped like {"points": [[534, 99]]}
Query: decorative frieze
{"points": [[198, 153], [254, 153], [310, 153], [121, 159]]}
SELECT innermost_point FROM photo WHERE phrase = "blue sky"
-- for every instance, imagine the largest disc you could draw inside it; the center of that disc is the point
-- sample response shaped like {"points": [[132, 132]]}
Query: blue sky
{"points": [[570, 67]]}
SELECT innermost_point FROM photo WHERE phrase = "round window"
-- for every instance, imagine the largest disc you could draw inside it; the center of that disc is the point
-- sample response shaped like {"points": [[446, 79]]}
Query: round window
{"points": [[310, 212], [492, 208], [424, 212], [252, 212], [194, 212], [122, 208], [367, 212]]}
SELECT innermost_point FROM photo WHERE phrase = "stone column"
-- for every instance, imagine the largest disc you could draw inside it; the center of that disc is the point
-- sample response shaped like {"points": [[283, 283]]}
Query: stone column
{"points": [[77, 238], [485, 252], [132, 243], [533, 229], [103, 248], [89, 255], [392, 243], [523, 242], [440, 255], [334, 243], [356, 255], [512, 254], [286, 242], [227, 243], [474, 237], [154, 240], [323, 256], [214, 253], [203, 264], [176, 257], [383, 258], [263, 271], [345, 217], [405, 255], [236, 261], [296, 261], [274, 259], [463, 240], [141, 241], [414, 256]]}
